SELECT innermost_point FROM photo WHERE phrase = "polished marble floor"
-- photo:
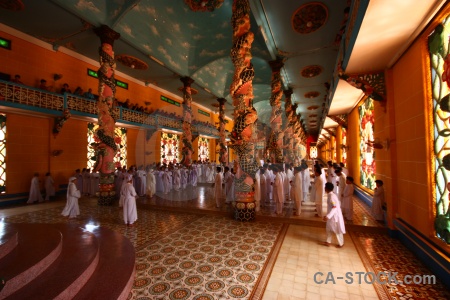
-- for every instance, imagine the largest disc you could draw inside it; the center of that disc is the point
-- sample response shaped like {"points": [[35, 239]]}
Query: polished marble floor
{"points": [[186, 248]]}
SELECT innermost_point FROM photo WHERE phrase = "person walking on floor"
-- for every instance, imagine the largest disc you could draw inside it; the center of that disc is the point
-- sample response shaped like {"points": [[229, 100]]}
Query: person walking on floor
{"points": [[35, 190], [129, 202], [72, 210], [335, 220]]}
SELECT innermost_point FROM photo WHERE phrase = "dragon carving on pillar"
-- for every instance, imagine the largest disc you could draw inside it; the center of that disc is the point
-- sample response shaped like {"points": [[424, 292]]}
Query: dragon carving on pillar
{"points": [[187, 149], [245, 114], [106, 149]]}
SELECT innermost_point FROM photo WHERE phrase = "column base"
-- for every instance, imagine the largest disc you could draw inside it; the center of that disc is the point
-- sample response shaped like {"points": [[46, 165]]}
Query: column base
{"points": [[244, 211], [106, 198]]}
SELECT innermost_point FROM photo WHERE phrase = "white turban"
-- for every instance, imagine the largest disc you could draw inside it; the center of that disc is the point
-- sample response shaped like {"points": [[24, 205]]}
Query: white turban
{"points": [[72, 179]]}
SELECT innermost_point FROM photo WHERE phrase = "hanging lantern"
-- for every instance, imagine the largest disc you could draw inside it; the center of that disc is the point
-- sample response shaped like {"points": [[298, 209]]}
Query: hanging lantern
{"points": [[313, 152]]}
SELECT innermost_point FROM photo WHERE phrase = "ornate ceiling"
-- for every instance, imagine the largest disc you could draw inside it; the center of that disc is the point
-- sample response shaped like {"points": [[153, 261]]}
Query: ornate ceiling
{"points": [[162, 41]]}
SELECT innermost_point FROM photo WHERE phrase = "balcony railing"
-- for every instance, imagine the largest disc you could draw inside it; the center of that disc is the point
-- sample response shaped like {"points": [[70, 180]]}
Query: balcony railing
{"points": [[32, 99]]}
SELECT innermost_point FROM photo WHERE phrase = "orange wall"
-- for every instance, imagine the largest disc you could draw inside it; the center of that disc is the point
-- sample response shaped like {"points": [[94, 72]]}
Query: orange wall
{"points": [[30, 138]]}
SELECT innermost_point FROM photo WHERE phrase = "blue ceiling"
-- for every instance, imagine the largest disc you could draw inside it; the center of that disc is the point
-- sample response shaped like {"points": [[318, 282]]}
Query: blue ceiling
{"points": [[196, 44]]}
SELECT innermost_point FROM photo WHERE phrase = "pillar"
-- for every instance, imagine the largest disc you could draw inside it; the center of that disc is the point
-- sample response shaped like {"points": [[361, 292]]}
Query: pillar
{"points": [[223, 151], [187, 150], [276, 135], [245, 114], [106, 149]]}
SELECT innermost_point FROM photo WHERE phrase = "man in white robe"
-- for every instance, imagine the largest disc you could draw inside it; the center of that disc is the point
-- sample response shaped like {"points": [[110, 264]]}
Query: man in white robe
{"points": [[318, 192], [230, 187], [306, 177], [218, 188], [297, 188], [347, 199], [35, 190], [278, 193], [226, 175], [269, 181], [49, 186], [330, 171], [176, 179], [184, 177], [262, 180], [340, 178], [193, 176], [166, 181], [150, 183], [72, 210], [334, 218], [129, 202], [378, 201], [344, 169], [257, 194]]}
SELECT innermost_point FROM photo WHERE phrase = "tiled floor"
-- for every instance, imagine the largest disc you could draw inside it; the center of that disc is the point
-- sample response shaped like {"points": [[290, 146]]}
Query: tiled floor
{"points": [[272, 258]]}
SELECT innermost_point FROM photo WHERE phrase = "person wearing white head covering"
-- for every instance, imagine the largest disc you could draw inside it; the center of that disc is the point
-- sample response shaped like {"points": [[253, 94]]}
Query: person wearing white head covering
{"points": [[193, 176], [35, 190], [129, 202], [184, 176], [176, 179], [166, 181], [72, 209], [151, 183]]}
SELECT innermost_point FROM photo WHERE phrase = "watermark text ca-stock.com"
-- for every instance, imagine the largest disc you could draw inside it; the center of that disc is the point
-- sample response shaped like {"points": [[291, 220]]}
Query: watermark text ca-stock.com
{"points": [[371, 278]]}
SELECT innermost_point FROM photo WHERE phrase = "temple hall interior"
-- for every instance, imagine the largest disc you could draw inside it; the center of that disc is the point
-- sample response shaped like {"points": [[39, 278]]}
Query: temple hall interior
{"points": [[224, 149]]}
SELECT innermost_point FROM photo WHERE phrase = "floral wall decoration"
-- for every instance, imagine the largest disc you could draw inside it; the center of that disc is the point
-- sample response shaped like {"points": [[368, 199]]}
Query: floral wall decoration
{"points": [[367, 154], [59, 122], [120, 140], [344, 143], [203, 148], [169, 148], [438, 44]]}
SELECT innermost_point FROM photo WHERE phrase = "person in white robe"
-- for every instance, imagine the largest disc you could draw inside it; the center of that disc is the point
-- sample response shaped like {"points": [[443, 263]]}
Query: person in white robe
{"points": [[269, 187], [95, 182], [218, 188], [230, 187], [86, 182], [334, 218], [129, 202], [72, 210], [226, 175], [176, 179], [35, 190], [330, 171], [49, 186], [278, 195], [193, 176], [118, 180], [184, 177], [378, 201], [158, 180], [287, 182], [142, 186], [166, 181], [262, 180], [257, 194], [318, 192], [290, 175], [150, 183], [347, 199], [306, 177], [210, 174], [340, 178], [201, 171], [297, 188]]}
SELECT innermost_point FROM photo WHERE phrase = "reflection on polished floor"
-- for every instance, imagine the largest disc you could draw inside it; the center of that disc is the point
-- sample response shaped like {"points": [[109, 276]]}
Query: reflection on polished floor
{"points": [[186, 248]]}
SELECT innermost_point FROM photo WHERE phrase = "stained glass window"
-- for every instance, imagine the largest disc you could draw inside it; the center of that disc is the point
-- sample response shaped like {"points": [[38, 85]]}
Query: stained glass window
{"points": [[440, 80], [169, 147], [344, 143], [367, 155], [2, 153], [203, 148], [120, 137]]}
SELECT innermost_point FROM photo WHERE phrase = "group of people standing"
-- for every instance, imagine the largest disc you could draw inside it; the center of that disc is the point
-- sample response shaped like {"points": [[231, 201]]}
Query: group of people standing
{"points": [[35, 195]]}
